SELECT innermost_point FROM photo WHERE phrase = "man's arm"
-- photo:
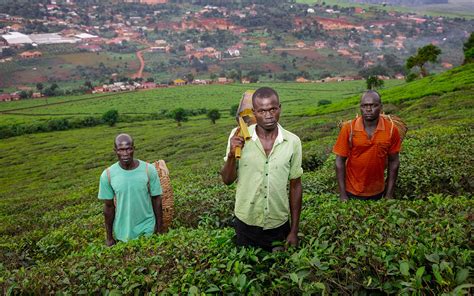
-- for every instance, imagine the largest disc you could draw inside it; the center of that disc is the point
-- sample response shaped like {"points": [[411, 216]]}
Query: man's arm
{"points": [[296, 196], [393, 165], [158, 211], [341, 176], [109, 214], [229, 171]]}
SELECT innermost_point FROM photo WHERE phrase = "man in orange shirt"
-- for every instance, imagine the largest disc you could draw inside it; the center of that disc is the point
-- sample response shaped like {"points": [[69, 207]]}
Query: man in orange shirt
{"points": [[362, 149]]}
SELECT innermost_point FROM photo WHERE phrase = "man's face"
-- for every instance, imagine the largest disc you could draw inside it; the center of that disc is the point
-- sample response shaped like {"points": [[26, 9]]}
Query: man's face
{"points": [[370, 107], [124, 150], [267, 112]]}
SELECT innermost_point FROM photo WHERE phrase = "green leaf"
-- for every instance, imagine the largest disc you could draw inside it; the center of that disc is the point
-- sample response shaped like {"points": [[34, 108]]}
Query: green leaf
{"points": [[462, 275], [294, 277], [433, 258], [193, 290], [420, 271], [405, 268], [213, 289]]}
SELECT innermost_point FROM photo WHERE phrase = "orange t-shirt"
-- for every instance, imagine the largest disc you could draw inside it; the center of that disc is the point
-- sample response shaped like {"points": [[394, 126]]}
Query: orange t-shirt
{"points": [[366, 159]]}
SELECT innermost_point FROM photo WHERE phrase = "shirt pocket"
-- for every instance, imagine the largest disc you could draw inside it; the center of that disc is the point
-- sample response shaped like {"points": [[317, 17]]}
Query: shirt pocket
{"points": [[382, 149]]}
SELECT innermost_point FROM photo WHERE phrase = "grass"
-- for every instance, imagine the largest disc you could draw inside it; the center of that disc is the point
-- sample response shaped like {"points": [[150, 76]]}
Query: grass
{"points": [[51, 223]]}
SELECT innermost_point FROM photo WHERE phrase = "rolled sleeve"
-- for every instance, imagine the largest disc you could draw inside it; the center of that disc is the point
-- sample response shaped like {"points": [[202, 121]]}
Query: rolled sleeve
{"points": [[341, 147], [296, 170], [105, 189]]}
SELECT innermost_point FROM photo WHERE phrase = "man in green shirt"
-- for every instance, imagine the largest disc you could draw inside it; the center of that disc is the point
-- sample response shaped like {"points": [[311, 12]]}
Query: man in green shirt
{"points": [[268, 161], [131, 192]]}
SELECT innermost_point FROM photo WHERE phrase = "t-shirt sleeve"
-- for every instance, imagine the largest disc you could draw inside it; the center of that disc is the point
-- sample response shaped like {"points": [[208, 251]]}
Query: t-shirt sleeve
{"points": [[296, 170], [228, 143], [341, 147], [396, 142], [105, 190], [155, 186]]}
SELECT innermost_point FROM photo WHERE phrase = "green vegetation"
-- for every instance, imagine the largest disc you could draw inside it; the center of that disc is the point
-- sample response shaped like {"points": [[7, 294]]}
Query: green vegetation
{"points": [[51, 223], [428, 53]]}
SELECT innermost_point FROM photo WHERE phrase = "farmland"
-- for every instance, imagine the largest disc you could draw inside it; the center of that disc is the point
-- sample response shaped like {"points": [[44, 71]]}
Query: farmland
{"points": [[51, 223]]}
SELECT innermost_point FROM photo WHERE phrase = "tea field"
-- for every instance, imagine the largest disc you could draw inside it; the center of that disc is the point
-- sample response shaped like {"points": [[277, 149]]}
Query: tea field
{"points": [[51, 223]]}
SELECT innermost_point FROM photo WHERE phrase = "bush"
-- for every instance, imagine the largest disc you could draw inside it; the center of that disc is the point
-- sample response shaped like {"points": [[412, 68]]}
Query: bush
{"points": [[214, 115], [324, 102], [110, 117]]}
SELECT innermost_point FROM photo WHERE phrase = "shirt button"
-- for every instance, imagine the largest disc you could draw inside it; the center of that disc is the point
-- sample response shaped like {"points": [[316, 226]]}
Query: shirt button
{"points": [[266, 161], [265, 196], [266, 174]]}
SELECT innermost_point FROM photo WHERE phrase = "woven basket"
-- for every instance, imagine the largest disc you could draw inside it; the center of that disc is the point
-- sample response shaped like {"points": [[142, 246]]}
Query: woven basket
{"points": [[167, 195]]}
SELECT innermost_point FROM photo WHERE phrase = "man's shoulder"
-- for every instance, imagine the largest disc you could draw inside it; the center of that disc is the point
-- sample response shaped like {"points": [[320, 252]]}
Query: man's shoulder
{"points": [[289, 135]]}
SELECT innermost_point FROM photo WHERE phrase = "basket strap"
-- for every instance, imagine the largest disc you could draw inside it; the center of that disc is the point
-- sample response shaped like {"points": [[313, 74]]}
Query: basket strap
{"points": [[148, 179]]}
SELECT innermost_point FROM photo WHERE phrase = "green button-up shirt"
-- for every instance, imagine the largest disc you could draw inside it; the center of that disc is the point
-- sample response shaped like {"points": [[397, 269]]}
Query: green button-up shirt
{"points": [[262, 196]]}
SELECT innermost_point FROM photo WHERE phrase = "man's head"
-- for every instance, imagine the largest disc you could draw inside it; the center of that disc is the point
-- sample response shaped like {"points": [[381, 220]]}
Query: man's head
{"points": [[266, 108], [370, 105], [124, 148]]}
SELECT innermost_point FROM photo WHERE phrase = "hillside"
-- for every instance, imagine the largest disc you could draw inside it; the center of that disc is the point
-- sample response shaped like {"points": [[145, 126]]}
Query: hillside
{"points": [[51, 223]]}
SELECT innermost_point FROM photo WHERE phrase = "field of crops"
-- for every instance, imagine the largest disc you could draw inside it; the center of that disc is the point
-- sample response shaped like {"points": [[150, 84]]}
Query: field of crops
{"points": [[51, 223]]}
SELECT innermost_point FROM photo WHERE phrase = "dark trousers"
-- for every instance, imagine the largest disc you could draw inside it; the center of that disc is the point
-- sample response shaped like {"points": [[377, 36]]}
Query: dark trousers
{"points": [[248, 235], [372, 197]]}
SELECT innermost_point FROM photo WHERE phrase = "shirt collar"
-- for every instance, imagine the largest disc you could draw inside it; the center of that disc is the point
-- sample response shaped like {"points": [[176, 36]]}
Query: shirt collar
{"points": [[359, 124], [279, 139]]}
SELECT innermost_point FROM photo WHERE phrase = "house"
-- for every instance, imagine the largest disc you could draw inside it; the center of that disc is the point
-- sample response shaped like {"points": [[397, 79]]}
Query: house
{"points": [[5, 98], [319, 44], [302, 80], [447, 65], [378, 43], [91, 47], [179, 82], [223, 80], [300, 44], [36, 95], [30, 54], [399, 76], [234, 52], [245, 80], [147, 85]]}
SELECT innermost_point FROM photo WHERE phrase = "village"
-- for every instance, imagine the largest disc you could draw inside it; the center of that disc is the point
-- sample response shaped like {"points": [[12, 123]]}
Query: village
{"points": [[210, 43]]}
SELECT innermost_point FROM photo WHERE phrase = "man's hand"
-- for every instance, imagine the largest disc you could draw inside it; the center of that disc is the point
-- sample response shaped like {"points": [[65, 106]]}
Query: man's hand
{"points": [[110, 242], [236, 141], [292, 239], [343, 196]]}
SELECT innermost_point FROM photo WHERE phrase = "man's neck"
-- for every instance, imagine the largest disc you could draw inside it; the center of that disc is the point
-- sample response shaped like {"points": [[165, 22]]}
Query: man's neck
{"points": [[266, 134], [371, 123], [133, 165]]}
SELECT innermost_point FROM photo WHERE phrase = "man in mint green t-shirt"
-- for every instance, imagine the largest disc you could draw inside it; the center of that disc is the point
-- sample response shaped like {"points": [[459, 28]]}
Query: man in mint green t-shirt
{"points": [[131, 192]]}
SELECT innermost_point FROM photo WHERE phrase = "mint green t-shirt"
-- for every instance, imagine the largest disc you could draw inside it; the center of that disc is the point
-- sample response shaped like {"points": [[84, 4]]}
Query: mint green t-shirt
{"points": [[134, 214]]}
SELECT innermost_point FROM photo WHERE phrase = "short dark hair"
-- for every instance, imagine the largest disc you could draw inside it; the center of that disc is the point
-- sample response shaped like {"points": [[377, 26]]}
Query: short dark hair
{"points": [[371, 92], [265, 92]]}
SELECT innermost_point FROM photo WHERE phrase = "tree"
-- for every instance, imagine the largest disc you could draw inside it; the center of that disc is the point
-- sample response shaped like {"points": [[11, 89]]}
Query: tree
{"points": [[189, 77], [110, 117], [428, 53], [179, 115], [213, 115], [88, 84], [233, 109], [374, 82], [39, 86], [469, 50]]}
